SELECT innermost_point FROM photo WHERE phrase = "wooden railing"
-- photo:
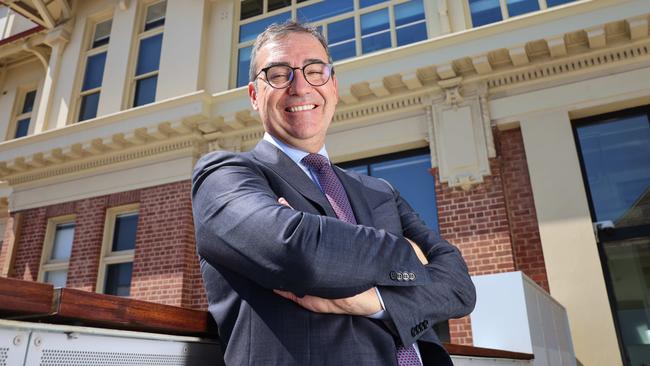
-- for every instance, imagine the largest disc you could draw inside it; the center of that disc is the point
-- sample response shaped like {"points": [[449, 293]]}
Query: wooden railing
{"points": [[33, 301]]}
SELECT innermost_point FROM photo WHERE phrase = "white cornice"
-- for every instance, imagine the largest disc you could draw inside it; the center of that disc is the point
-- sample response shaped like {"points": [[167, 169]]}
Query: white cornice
{"points": [[583, 40]]}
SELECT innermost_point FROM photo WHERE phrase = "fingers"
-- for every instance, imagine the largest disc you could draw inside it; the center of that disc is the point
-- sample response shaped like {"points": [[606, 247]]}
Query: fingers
{"points": [[284, 202]]}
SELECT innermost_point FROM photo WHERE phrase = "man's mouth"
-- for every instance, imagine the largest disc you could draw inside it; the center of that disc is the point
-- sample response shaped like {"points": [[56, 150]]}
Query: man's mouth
{"points": [[300, 108]]}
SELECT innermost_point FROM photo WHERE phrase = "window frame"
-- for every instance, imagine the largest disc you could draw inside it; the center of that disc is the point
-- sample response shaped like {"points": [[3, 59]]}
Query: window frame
{"points": [[505, 15], [17, 115], [88, 52], [138, 36], [108, 256], [47, 265], [355, 13]]}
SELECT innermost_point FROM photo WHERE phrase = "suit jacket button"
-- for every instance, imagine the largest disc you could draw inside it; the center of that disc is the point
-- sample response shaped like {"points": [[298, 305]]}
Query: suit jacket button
{"points": [[412, 276], [426, 323], [393, 275], [399, 276], [413, 332]]}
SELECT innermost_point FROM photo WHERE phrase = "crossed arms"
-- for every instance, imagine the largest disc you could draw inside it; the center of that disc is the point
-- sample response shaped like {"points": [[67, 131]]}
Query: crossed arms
{"points": [[242, 226]]}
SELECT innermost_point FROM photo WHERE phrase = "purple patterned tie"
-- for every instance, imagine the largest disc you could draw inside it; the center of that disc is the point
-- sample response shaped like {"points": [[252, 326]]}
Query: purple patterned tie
{"points": [[335, 193]]}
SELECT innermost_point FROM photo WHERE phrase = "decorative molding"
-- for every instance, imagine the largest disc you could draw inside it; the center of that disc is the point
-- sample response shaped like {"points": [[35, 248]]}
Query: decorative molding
{"points": [[184, 143], [571, 65], [462, 143]]}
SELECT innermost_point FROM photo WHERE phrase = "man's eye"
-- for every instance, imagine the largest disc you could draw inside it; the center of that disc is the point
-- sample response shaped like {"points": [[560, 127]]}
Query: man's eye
{"points": [[278, 77]]}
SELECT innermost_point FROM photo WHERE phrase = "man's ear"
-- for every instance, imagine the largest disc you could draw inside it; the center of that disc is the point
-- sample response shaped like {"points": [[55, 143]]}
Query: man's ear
{"points": [[252, 94]]}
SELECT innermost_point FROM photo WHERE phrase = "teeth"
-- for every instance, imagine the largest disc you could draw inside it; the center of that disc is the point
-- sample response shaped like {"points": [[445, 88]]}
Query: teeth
{"points": [[301, 108]]}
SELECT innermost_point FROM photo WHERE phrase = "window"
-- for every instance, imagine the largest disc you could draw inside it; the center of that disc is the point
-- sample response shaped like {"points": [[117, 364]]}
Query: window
{"points": [[408, 172], [143, 89], [94, 70], [116, 264], [57, 247], [351, 27], [25, 106], [491, 11]]}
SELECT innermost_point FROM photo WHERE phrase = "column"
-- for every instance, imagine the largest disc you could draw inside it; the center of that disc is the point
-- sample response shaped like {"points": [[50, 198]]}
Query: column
{"points": [[57, 40], [570, 250]]}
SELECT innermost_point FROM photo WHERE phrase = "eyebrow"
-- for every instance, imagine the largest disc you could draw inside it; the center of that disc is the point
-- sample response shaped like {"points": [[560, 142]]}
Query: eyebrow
{"points": [[305, 62]]}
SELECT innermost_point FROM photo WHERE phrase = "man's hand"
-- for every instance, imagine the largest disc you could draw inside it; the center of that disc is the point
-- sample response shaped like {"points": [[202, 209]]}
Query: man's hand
{"points": [[363, 304]]}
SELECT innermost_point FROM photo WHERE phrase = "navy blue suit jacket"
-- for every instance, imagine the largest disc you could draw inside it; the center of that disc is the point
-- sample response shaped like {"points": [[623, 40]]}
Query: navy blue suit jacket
{"points": [[249, 244]]}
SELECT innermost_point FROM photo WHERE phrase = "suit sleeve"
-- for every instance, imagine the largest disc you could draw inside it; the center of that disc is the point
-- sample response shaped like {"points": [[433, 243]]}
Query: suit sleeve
{"points": [[240, 226], [448, 291]]}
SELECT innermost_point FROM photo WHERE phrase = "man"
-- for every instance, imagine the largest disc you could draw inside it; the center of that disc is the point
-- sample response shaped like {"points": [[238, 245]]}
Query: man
{"points": [[304, 263]]}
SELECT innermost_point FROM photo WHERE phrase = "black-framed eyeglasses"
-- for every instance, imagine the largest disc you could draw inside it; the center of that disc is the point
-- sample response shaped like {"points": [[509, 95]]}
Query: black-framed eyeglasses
{"points": [[281, 76]]}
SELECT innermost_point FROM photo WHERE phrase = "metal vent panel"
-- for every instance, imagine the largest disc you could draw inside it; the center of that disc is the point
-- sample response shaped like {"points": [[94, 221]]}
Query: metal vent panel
{"points": [[76, 349]]}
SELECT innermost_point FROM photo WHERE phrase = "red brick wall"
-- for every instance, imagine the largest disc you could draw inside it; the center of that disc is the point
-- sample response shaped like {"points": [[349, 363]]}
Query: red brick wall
{"points": [[476, 221], [86, 248], [30, 244], [165, 265], [524, 229]]}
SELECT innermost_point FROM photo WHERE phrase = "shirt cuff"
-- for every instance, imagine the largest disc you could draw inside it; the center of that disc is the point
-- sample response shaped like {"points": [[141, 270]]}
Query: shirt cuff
{"points": [[381, 314]]}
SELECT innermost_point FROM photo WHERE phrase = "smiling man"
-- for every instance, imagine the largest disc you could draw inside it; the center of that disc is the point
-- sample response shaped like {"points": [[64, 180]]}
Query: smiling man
{"points": [[305, 263]]}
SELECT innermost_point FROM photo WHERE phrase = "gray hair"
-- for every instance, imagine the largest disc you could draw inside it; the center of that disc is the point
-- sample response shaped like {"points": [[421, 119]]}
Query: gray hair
{"points": [[279, 31]]}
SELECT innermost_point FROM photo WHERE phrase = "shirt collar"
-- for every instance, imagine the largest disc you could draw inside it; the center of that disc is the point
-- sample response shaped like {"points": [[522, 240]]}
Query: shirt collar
{"points": [[294, 154]]}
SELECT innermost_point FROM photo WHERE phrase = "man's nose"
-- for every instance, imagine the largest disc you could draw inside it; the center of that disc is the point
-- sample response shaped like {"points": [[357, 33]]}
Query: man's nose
{"points": [[299, 84]]}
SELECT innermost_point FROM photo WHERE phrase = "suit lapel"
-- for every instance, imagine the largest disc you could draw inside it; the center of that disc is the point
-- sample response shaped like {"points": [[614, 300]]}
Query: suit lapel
{"points": [[358, 201], [281, 164]]}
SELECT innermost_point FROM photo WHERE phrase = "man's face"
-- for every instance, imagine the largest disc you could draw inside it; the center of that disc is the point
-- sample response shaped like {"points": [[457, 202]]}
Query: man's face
{"points": [[300, 114]]}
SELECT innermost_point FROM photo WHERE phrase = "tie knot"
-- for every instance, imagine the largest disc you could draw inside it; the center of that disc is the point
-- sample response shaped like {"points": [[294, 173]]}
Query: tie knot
{"points": [[315, 161]]}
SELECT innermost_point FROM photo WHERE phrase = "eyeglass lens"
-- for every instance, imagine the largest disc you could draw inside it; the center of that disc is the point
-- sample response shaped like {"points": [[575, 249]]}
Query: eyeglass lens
{"points": [[316, 74]]}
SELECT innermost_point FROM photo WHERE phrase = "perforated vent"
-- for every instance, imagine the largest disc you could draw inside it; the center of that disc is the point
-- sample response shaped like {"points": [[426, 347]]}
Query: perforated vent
{"points": [[4, 354], [52, 357]]}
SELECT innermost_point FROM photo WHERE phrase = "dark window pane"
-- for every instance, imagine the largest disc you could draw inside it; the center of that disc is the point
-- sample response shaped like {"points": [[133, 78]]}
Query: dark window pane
{"points": [[250, 8], [411, 34], [249, 31], [278, 4], [149, 54], [518, 7], [343, 50], [411, 177], [485, 12], [102, 33], [375, 34], [375, 42], [28, 104], [88, 107], [62, 246], [118, 279], [557, 2], [22, 128], [243, 66], [409, 12], [94, 71], [155, 15], [375, 21], [342, 30], [126, 227], [365, 3], [616, 158], [628, 267], [56, 278], [145, 91], [324, 9]]}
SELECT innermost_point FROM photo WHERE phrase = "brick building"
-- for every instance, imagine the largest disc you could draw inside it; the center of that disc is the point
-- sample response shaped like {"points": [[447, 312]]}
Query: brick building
{"points": [[518, 129]]}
